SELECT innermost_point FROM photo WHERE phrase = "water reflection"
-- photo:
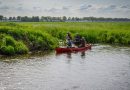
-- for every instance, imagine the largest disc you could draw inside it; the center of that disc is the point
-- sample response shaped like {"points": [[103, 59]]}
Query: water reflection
{"points": [[69, 55], [83, 54]]}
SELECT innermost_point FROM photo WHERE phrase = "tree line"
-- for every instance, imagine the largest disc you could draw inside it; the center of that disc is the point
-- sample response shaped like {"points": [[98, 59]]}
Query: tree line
{"points": [[59, 19]]}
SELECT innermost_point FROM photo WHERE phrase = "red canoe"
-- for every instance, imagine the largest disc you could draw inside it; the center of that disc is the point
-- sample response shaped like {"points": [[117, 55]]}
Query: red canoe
{"points": [[73, 49]]}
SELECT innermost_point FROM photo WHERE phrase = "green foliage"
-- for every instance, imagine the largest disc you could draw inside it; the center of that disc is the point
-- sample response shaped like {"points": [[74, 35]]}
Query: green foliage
{"points": [[21, 48], [6, 41], [22, 37], [8, 50], [96, 32], [9, 46], [41, 41], [11, 24], [9, 41]]}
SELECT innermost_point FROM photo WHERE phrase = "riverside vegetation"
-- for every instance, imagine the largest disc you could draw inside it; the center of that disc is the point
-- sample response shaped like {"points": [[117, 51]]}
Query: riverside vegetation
{"points": [[22, 37]]}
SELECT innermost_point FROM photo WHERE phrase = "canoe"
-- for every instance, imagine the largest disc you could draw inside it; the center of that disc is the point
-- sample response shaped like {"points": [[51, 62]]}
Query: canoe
{"points": [[73, 49]]}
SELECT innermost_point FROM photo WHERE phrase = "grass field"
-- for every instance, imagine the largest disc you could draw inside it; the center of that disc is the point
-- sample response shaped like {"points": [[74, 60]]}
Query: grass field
{"points": [[22, 37]]}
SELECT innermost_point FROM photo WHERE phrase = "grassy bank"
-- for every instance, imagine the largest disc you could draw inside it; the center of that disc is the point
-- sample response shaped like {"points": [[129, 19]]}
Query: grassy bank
{"points": [[94, 32], [19, 38]]}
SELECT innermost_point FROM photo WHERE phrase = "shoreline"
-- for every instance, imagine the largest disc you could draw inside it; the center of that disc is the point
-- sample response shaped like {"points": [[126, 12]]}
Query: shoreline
{"points": [[21, 38]]}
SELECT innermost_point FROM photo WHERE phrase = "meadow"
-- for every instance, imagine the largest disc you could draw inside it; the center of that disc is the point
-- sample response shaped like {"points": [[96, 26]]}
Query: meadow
{"points": [[23, 37]]}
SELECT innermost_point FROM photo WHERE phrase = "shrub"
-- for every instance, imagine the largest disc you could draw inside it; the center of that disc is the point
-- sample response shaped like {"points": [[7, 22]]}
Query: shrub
{"points": [[8, 50], [9, 41], [21, 48], [9, 46], [41, 41]]}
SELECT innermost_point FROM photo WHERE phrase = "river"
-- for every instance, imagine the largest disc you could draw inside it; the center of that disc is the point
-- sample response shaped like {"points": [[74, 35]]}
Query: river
{"points": [[104, 67]]}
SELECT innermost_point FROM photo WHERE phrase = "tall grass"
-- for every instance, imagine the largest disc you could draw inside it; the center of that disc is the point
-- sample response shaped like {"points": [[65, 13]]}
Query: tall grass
{"points": [[24, 37], [94, 32]]}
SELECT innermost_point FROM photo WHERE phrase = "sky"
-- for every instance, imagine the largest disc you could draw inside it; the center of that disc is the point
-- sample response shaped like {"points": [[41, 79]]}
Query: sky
{"points": [[69, 8]]}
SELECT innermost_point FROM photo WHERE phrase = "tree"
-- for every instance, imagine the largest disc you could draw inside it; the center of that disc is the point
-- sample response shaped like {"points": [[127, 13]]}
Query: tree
{"points": [[77, 19], [43, 18], [19, 18], [73, 18], [64, 18], [10, 18], [24, 19], [5, 19], [14, 18], [1, 17], [69, 19], [35, 18]]}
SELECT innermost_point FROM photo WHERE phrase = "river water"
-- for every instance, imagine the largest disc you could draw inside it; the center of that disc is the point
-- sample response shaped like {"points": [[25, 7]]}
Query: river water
{"points": [[104, 67]]}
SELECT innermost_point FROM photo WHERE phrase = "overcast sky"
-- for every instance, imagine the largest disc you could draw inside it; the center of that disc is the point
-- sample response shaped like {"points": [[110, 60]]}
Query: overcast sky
{"points": [[79, 8]]}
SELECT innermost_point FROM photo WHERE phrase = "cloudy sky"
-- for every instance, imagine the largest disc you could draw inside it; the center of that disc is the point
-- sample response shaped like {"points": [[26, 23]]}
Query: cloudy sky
{"points": [[79, 8]]}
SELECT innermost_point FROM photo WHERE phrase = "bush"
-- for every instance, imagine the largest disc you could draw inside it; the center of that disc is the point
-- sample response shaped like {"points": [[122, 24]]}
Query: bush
{"points": [[9, 46], [9, 41], [41, 41], [21, 48], [8, 50]]}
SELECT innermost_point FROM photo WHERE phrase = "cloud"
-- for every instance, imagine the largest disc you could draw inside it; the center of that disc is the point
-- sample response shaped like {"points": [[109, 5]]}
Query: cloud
{"points": [[111, 7], [108, 8], [124, 7], [20, 4], [85, 7], [65, 8], [114, 9], [4, 7], [58, 10], [79, 8], [20, 8], [37, 8], [52, 10]]}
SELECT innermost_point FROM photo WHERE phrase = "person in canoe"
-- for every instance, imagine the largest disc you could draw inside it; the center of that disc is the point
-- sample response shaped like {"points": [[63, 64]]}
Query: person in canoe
{"points": [[77, 40], [83, 42], [69, 40]]}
